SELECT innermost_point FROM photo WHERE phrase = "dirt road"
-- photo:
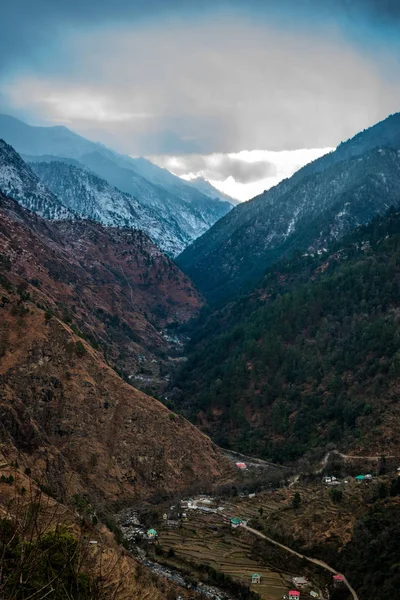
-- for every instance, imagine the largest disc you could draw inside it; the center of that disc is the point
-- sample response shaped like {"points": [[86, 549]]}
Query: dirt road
{"points": [[315, 561]]}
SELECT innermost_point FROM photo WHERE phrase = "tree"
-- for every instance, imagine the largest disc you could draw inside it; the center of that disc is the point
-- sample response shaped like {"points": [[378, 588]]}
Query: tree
{"points": [[296, 500], [336, 495]]}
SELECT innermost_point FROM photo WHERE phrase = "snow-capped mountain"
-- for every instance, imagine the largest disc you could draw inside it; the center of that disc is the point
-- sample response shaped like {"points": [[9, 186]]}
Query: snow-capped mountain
{"points": [[19, 182], [91, 197], [182, 210], [166, 194]]}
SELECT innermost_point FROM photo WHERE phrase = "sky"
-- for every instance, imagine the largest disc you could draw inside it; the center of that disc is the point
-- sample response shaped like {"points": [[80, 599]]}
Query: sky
{"points": [[259, 85]]}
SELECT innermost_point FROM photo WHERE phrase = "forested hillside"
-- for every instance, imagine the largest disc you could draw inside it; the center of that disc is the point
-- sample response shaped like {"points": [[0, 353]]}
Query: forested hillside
{"points": [[319, 204], [311, 356]]}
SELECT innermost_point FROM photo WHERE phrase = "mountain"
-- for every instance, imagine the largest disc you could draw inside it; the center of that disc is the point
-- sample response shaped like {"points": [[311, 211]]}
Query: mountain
{"points": [[58, 140], [187, 215], [209, 190], [91, 197], [18, 180], [76, 300], [319, 203], [183, 211], [114, 286], [309, 358]]}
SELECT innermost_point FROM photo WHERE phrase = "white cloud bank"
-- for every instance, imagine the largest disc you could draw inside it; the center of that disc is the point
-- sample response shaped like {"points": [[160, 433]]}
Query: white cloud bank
{"points": [[241, 175]]}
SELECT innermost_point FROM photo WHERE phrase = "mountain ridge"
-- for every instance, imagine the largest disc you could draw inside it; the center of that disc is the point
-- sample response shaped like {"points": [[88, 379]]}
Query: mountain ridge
{"points": [[181, 209], [237, 249], [91, 197]]}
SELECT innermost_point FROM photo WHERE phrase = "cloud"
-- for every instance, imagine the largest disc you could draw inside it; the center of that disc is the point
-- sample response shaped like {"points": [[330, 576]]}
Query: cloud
{"points": [[241, 175], [203, 86], [219, 166]]}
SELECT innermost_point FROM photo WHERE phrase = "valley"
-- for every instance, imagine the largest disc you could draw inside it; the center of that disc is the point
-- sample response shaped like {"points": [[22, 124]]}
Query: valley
{"points": [[185, 442], [197, 538]]}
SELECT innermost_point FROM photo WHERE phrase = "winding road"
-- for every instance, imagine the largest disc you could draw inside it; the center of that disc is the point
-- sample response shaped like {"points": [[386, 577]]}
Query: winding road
{"points": [[315, 561], [324, 461]]}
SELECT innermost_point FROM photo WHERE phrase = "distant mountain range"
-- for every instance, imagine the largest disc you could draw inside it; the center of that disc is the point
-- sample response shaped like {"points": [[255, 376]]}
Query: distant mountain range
{"points": [[320, 202], [173, 212], [91, 197]]}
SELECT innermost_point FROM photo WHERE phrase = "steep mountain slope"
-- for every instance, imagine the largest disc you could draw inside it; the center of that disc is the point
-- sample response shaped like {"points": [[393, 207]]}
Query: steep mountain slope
{"points": [[310, 357], [209, 190], [319, 203], [113, 285], [91, 197], [18, 180], [79, 426], [63, 557], [183, 211]]}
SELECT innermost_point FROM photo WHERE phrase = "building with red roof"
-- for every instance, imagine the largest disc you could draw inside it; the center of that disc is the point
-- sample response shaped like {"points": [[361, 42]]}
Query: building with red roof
{"points": [[338, 580], [294, 595]]}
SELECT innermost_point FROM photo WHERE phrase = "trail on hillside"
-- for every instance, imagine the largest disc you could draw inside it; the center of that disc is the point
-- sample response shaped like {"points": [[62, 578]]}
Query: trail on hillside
{"points": [[327, 456], [315, 561]]}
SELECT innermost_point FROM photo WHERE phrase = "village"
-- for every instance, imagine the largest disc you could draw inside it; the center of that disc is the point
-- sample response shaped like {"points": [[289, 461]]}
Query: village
{"points": [[210, 533], [179, 515]]}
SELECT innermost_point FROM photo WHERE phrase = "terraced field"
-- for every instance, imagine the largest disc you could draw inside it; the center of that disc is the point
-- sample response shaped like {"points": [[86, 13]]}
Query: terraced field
{"points": [[206, 539], [318, 518]]}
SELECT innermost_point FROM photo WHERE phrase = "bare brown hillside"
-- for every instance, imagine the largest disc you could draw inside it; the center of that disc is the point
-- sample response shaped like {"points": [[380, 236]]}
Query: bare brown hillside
{"points": [[64, 410], [79, 426], [114, 285]]}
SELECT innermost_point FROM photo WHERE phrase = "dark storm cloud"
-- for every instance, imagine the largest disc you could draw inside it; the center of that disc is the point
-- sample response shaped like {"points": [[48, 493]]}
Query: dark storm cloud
{"points": [[28, 24]]}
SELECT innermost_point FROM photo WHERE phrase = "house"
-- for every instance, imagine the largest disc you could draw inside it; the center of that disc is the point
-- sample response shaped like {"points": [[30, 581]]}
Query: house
{"points": [[360, 478], [300, 581], [172, 523], [327, 479], [294, 595], [241, 465], [236, 522], [256, 578], [165, 516], [368, 477], [152, 534], [314, 594], [338, 580]]}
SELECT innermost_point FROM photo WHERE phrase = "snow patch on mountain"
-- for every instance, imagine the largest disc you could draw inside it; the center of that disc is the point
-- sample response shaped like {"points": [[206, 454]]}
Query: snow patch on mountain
{"points": [[19, 182]]}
